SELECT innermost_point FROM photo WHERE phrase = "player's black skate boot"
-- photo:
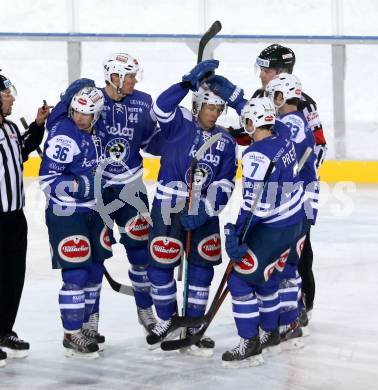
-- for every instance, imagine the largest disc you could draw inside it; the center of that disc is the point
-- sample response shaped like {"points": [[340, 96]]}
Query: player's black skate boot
{"points": [[90, 330], [163, 330], [78, 345], [146, 318], [270, 342], [15, 347], [291, 337], [204, 347], [3, 357], [247, 353]]}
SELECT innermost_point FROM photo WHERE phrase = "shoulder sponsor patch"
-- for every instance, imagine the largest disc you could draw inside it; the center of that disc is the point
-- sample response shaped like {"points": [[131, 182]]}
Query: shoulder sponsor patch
{"points": [[75, 249], [166, 250]]}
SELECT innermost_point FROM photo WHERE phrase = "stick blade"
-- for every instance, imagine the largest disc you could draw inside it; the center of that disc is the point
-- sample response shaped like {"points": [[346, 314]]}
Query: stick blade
{"points": [[209, 34]]}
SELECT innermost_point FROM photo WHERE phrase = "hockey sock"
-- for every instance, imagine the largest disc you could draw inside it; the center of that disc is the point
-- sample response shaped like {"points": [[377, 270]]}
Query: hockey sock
{"points": [[269, 304], [138, 276], [72, 298], [198, 290], [289, 304], [163, 291], [244, 306]]}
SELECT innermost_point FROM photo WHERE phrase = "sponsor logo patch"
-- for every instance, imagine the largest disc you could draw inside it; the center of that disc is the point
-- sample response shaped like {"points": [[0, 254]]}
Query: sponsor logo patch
{"points": [[269, 270], [82, 101], [210, 248], [105, 239], [300, 245], [248, 263], [74, 249], [137, 228], [166, 250], [281, 261]]}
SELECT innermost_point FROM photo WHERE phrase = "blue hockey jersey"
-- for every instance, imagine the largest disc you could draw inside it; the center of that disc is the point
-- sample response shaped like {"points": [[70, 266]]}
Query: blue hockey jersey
{"points": [[177, 142], [303, 137], [281, 203], [68, 153], [129, 126]]}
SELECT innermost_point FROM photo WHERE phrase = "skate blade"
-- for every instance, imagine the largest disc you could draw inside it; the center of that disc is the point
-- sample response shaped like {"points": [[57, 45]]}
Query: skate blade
{"points": [[15, 353], [170, 336], [252, 361], [70, 353], [193, 350], [2, 363], [272, 351], [293, 344], [101, 347]]}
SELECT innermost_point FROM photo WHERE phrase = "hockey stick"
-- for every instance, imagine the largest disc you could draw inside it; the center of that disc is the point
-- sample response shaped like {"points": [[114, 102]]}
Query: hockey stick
{"points": [[205, 39], [221, 292], [193, 166], [118, 287]]}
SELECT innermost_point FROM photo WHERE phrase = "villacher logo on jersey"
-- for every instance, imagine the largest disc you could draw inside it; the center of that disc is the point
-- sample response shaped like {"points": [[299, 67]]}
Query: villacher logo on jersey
{"points": [[74, 249], [166, 250], [137, 228], [210, 248]]}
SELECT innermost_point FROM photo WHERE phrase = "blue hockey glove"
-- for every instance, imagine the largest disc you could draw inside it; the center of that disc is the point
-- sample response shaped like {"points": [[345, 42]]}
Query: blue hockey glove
{"points": [[193, 79], [228, 91], [75, 87], [191, 222], [85, 186], [234, 250]]}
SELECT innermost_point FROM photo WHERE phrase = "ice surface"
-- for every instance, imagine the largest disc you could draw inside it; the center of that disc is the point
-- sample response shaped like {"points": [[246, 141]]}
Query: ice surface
{"points": [[340, 354]]}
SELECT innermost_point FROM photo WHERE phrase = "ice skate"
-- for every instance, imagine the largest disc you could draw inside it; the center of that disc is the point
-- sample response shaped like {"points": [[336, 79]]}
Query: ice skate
{"points": [[270, 342], [3, 358], [146, 318], [204, 347], [14, 346], [291, 337], [78, 345], [247, 353], [163, 330]]}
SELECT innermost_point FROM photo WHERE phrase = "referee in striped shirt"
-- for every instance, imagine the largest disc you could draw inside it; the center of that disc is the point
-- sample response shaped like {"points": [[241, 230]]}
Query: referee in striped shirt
{"points": [[14, 150]]}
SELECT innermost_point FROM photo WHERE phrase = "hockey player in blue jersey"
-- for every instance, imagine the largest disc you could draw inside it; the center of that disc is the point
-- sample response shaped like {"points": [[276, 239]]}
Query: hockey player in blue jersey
{"points": [[79, 240], [285, 92], [182, 134], [260, 243], [129, 127]]}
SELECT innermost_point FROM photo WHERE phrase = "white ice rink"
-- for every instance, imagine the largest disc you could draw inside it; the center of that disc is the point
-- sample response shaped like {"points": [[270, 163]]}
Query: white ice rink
{"points": [[341, 352]]}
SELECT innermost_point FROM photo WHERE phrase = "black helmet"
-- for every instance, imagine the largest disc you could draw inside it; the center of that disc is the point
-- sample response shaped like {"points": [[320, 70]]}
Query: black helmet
{"points": [[4, 83], [277, 57]]}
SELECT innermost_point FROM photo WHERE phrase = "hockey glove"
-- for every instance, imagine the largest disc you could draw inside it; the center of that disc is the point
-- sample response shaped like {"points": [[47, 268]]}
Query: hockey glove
{"points": [[228, 91], [193, 79], [75, 87], [191, 222], [84, 187], [234, 250]]}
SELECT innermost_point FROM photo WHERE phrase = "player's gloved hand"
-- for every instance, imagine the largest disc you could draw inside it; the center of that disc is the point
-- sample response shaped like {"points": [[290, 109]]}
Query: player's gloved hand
{"points": [[75, 87], [190, 221], [228, 91], [234, 250], [84, 186], [193, 79]]}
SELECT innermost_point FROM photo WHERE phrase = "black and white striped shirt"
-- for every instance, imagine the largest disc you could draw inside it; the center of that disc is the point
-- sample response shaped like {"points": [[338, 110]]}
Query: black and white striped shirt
{"points": [[14, 150]]}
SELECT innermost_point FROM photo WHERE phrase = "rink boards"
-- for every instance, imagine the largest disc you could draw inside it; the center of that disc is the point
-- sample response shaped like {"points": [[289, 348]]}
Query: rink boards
{"points": [[332, 171]]}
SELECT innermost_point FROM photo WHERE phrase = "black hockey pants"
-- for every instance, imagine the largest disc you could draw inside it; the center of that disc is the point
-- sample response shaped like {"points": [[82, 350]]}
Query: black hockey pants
{"points": [[305, 271], [13, 243]]}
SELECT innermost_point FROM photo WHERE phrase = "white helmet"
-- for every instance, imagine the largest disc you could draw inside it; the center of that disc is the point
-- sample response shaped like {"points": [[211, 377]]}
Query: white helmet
{"points": [[89, 100], [288, 84], [121, 64], [204, 96], [260, 111]]}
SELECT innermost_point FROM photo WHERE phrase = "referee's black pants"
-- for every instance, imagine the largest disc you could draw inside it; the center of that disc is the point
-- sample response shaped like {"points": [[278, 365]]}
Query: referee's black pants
{"points": [[13, 243], [305, 271]]}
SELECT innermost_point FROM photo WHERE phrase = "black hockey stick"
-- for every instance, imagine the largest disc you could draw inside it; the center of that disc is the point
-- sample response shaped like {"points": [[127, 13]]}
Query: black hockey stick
{"points": [[209, 34], [118, 287]]}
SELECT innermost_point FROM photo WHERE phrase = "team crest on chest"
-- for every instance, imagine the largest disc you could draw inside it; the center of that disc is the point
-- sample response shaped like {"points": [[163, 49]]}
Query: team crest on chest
{"points": [[117, 150], [202, 177]]}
